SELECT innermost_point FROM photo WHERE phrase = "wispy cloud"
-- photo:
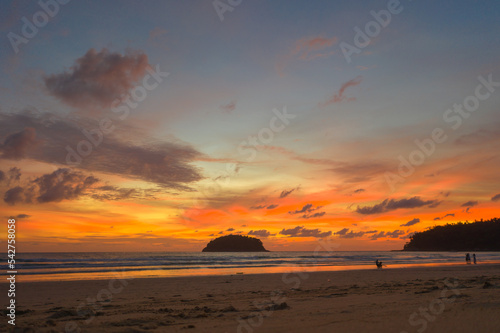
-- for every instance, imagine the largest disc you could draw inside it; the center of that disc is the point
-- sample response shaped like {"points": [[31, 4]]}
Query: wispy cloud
{"points": [[286, 193], [307, 49], [300, 231], [306, 209], [469, 204], [260, 233], [229, 107], [443, 217], [387, 234], [392, 204], [310, 48], [340, 96], [266, 206], [410, 223], [345, 233]]}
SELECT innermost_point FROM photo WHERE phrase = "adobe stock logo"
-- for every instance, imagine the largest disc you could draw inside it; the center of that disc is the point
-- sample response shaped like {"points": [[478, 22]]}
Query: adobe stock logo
{"points": [[30, 28], [222, 6]]}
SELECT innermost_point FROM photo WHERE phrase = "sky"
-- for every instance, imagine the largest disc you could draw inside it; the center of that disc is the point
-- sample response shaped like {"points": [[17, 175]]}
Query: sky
{"points": [[160, 125]]}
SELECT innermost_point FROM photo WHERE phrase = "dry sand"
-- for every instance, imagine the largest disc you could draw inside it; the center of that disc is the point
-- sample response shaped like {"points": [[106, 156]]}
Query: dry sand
{"points": [[462, 298]]}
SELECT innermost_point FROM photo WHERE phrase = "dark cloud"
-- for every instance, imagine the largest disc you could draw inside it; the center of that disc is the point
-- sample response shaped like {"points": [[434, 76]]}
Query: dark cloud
{"points": [[306, 209], [310, 216], [20, 217], [395, 234], [63, 184], [359, 190], [258, 207], [469, 204], [98, 78], [377, 235], [391, 204], [345, 233], [392, 234], [300, 231], [409, 235], [260, 233], [342, 232], [286, 193], [14, 195], [340, 96], [14, 175], [272, 206], [2, 176], [229, 107], [16, 145], [496, 197], [113, 193], [230, 229], [410, 223], [440, 218], [166, 163], [352, 234]]}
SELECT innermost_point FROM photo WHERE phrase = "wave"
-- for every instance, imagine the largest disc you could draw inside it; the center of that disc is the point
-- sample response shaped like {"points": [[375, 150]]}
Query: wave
{"points": [[87, 263]]}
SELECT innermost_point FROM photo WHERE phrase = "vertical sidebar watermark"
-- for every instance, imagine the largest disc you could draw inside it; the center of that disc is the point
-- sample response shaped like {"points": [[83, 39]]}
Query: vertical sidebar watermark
{"points": [[11, 270]]}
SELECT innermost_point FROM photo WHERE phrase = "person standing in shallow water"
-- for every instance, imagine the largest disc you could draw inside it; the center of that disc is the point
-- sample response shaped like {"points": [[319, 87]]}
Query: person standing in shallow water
{"points": [[474, 258], [467, 258]]}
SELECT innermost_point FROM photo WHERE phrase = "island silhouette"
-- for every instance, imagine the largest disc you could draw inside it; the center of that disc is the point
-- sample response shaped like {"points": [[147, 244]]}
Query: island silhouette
{"points": [[235, 243], [475, 236]]}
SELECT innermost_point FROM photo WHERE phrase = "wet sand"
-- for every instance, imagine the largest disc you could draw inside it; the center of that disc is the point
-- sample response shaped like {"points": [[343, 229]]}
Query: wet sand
{"points": [[461, 298]]}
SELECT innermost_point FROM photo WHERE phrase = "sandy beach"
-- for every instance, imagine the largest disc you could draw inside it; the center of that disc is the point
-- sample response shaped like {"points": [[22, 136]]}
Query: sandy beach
{"points": [[461, 298]]}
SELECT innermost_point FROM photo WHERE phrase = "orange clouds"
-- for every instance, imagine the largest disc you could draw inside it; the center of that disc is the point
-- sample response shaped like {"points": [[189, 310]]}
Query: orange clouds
{"points": [[307, 49], [340, 96]]}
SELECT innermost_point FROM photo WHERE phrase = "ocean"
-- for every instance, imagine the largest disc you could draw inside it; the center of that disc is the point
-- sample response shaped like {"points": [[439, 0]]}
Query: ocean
{"points": [[88, 266]]}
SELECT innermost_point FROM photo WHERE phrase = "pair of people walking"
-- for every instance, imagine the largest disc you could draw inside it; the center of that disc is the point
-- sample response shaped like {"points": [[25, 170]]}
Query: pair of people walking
{"points": [[467, 258]]}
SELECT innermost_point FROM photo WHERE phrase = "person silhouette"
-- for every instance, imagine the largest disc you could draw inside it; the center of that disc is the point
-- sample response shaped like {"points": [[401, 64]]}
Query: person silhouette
{"points": [[474, 258], [467, 258], [378, 263]]}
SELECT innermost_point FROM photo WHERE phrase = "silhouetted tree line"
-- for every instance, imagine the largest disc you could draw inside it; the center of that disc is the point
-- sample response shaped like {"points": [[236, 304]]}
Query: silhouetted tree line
{"points": [[235, 243], [474, 236]]}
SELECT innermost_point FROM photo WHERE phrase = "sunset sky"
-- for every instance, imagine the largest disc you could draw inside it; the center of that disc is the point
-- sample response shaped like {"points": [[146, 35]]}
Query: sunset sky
{"points": [[159, 125]]}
